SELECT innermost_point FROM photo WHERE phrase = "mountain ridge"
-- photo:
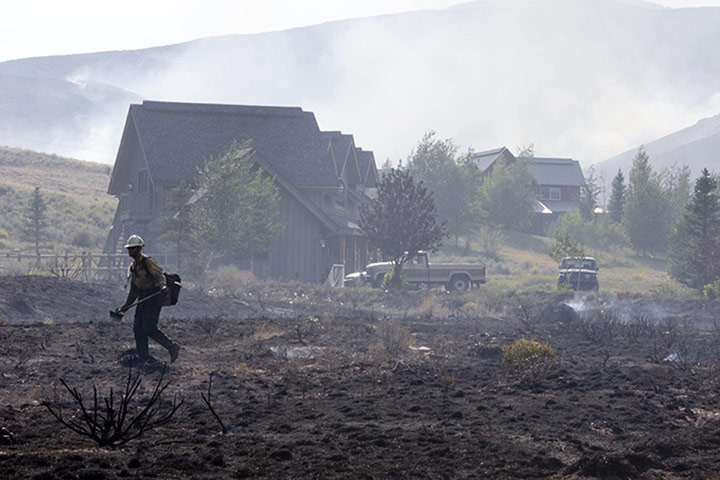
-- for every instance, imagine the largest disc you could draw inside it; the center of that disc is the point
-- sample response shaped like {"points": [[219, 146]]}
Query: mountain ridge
{"points": [[577, 79], [697, 146]]}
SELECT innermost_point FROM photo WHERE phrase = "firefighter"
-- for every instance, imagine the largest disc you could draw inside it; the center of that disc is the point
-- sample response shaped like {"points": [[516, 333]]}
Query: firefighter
{"points": [[146, 278]]}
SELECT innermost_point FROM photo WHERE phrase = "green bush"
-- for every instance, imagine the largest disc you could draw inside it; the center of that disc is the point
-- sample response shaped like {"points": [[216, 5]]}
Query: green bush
{"points": [[711, 290], [394, 282], [599, 233], [530, 360]]}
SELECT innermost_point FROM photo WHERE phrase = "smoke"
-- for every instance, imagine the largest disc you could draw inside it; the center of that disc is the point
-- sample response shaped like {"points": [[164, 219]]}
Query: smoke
{"points": [[578, 78]]}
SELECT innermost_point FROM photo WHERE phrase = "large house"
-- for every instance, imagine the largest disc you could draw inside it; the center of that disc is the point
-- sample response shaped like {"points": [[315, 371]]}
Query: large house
{"points": [[556, 187], [322, 177]]}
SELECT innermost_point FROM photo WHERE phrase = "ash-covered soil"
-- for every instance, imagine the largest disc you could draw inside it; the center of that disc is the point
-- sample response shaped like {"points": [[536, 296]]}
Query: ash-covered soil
{"points": [[380, 394]]}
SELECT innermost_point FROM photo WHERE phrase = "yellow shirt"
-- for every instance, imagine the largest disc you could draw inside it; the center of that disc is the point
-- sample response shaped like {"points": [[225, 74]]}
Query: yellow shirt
{"points": [[144, 275]]}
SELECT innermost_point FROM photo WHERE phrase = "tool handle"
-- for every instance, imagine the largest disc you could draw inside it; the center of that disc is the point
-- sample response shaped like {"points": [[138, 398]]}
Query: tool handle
{"points": [[144, 299]]}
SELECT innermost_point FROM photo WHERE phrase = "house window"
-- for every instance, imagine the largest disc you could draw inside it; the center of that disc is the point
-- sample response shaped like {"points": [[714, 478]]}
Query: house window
{"points": [[549, 193]]}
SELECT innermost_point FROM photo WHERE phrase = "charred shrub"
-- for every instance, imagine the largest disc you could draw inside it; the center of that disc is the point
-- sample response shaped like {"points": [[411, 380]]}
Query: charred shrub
{"points": [[529, 360], [209, 325], [309, 327], [639, 327], [113, 420], [599, 326], [394, 338]]}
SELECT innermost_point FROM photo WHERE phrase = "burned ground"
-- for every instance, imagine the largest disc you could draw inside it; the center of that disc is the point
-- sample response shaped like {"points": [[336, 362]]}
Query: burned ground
{"points": [[313, 390]]}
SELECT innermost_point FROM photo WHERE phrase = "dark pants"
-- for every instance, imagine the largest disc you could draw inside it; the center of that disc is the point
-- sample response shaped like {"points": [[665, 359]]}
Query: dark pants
{"points": [[147, 315]]}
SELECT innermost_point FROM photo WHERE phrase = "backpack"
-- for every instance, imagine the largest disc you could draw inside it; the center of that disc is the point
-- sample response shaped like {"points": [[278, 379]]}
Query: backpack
{"points": [[173, 282], [174, 286]]}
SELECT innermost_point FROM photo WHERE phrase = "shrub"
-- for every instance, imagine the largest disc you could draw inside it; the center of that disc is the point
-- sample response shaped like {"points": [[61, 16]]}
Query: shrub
{"points": [[598, 233], [600, 326], [712, 290], [113, 420], [491, 241], [393, 337], [229, 279], [83, 239], [528, 359], [394, 282], [565, 246]]}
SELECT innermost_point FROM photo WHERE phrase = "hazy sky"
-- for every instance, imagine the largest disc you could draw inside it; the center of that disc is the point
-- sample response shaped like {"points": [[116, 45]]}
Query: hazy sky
{"points": [[31, 28]]}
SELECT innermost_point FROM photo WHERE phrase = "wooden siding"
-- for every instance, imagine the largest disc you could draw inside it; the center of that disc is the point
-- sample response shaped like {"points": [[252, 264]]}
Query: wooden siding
{"points": [[295, 254]]}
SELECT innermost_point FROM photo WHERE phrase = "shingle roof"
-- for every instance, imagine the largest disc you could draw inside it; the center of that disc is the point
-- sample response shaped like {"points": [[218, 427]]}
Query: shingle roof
{"points": [[486, 158], [556, 171], [177, 137]]}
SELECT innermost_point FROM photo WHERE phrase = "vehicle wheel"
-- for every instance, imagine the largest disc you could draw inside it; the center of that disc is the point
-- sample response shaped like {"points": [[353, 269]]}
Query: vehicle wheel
{"points": [[459, 283], [379, 280]]}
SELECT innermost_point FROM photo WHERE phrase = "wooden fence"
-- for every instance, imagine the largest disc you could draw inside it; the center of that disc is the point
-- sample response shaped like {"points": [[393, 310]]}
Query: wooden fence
{"points": [[86, 266]]}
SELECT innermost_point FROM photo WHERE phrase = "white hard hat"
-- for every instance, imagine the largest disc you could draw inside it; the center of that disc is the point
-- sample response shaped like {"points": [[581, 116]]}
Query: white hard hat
{"points": [[134, 241]]}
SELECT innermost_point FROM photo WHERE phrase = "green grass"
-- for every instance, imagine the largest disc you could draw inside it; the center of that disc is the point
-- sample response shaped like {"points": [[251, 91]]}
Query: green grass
{"points": [[524, 267], [79, 211]]}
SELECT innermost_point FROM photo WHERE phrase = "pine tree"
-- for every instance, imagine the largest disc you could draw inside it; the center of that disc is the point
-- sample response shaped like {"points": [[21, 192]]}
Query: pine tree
{"points": [[616, 203], [646, 215], [694, 258], [36, 219]]}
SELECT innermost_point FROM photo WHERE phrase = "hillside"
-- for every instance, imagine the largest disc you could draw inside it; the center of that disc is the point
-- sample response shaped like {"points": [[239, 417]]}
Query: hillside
{"points": [[79, 211], [578, 78], [697, 146], [521, 265]]}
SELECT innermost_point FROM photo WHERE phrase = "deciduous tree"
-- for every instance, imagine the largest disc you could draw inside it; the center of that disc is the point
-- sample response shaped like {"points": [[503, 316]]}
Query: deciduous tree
{"points": [[402, 220], [588, 196], [504, 196], [234, 207], [451, 179], [180, 231], [678, 189]]}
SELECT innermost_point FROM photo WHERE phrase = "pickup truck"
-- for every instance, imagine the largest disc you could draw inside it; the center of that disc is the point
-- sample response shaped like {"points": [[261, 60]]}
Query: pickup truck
{"points": [[578, 273], [419, 272]]}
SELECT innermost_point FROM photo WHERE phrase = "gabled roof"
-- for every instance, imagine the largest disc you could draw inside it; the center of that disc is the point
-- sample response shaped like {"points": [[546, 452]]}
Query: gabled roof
{"points": [[342, 148], [485, 159], [339, 145], [368, 168], [556, 171], [177, 137]]}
